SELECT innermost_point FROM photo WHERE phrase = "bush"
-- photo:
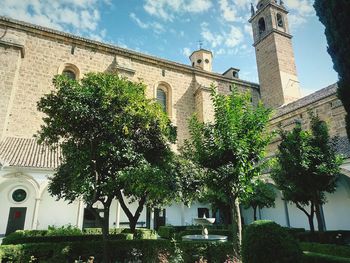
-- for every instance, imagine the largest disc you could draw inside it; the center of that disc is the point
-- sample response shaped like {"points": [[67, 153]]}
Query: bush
{"points": [[142, 233], [68, 230], [98, 231], [327, 237], [329, 249], [167, 232], [52, 239], [267, 242], [310, 257]]}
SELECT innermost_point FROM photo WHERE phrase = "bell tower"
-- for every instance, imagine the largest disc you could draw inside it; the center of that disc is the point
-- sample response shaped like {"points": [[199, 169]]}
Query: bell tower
{"points": [[278, 78]]}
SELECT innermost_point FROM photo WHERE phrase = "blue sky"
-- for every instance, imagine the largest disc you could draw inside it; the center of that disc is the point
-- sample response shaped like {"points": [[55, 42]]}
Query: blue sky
{"points": [[171, 29]]}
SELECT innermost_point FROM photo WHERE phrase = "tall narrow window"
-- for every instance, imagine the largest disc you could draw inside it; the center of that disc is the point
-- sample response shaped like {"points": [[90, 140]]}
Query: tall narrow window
{"points": [[162, 99], [279, 20], [261, 25]]}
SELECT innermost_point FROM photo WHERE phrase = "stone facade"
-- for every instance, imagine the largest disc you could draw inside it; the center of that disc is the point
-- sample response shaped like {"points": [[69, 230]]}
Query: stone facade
{"points": [[47, 52]]}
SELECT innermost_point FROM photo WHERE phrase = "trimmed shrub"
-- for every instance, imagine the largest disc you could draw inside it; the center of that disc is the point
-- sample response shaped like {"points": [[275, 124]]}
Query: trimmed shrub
{"points": [[329, 249], [310, 257], [267, 242], [98, 231], [142, 233], [327, 237], [167, 232], [120, 251], [52, 239], [68, 230]]}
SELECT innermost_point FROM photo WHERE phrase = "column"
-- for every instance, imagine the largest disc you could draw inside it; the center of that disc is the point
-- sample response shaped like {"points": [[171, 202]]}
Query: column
{"points": [[286, 213], [80, 214], [36, 214], [117, 218]]}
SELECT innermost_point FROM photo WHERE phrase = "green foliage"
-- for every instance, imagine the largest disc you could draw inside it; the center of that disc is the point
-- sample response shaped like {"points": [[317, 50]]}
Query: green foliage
{"points": [[338, 237], [310, 257], [266, 241], [231, 148], [262, 195], [98, 231], [142, 233], [113, 140], [334, 15], [120, 251], [66, 238], [328, 249], [167, 232], [68, 230], [306, 166]]}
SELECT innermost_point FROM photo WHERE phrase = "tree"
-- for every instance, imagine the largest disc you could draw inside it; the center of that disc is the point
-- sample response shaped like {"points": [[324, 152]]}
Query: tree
{"points": [[335, 17], [307, 168], [262, 195], [114, 142], [231, 148]]}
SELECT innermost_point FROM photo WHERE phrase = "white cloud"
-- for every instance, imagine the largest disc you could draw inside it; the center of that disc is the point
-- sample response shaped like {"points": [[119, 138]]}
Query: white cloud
{"points": [[186, 51], [156, 27], [166, 9], [301, 10], [228, 39], [229, 13], [81, 16]]}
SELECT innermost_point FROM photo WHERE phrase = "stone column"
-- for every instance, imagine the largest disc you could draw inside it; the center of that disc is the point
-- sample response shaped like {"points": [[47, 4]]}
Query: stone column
{"points": [[117, 219], [80, 214], [286, 213], [36, 214]]}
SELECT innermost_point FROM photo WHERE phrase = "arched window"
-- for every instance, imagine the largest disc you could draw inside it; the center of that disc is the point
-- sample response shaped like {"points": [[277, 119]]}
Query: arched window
{"points": [[69, 74], [70, 70], [279, 20], [261, 25], [162, 98]]}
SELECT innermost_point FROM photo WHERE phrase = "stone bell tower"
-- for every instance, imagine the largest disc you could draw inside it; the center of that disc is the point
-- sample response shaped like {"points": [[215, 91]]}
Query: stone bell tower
{"points": [[274, 53]]}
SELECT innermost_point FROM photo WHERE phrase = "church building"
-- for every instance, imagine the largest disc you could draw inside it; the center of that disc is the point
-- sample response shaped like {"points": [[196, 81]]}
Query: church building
{"points": [[31, 55]]}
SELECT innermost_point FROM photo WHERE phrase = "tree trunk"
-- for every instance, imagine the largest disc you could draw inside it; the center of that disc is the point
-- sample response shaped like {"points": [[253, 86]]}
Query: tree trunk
{"points": [[254, 209], [236, 224], [105, 234], [310, 216], [132, 218], [320, 222]]}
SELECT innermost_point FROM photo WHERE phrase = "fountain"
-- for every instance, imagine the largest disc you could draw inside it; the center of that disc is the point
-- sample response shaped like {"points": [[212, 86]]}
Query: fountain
{"points": [[205, 235]]}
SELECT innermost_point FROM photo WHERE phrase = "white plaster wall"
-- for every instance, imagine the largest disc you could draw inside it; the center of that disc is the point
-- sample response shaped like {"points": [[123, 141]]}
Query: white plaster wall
{"points": [[174, 214], [56, 213], [7, 185], [276, 213], [191, 212], [337, 209]]}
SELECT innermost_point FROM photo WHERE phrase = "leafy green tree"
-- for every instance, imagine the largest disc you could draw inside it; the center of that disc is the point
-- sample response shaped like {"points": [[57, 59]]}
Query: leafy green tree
{"points": [[115, 144], [262, 195], [231, 148], [335, 17], [306, 168]]}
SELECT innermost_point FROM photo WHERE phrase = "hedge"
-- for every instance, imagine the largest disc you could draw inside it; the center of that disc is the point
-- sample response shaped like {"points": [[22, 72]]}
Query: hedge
{"points": [[311, 257], [267, 242], [142, 233], [52, 239], [167, 232], [327, 237], [329, 249], [98, 231], [120, 251]]}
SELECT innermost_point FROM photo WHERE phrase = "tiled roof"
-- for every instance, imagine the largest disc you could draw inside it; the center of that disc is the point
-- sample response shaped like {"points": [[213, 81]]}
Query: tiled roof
{"points": [[22, 152], [316, 96]]}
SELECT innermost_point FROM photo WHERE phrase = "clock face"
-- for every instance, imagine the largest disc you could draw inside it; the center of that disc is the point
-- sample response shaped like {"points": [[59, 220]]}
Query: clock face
{"points": [[19, 195]]}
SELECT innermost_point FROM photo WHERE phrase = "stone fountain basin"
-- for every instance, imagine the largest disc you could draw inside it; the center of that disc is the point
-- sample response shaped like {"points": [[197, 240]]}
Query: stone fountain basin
{"points": [[217, 238], [204, 221]]}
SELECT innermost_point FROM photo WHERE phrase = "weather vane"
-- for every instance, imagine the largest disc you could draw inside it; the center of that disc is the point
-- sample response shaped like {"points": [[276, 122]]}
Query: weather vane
{"points": [[200, 44]]}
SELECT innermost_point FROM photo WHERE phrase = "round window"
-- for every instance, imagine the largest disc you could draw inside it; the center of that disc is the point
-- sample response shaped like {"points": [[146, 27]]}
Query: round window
{"points": [[199, 61], [207, 61], [19, 195]]}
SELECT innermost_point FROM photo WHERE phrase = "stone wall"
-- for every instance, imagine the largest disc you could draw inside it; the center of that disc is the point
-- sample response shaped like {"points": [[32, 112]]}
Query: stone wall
{"points": [[46, 54]]}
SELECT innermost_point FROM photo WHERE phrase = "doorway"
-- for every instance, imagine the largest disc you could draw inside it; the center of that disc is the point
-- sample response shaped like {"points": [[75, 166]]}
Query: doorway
{"points": [[16, 220]]}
